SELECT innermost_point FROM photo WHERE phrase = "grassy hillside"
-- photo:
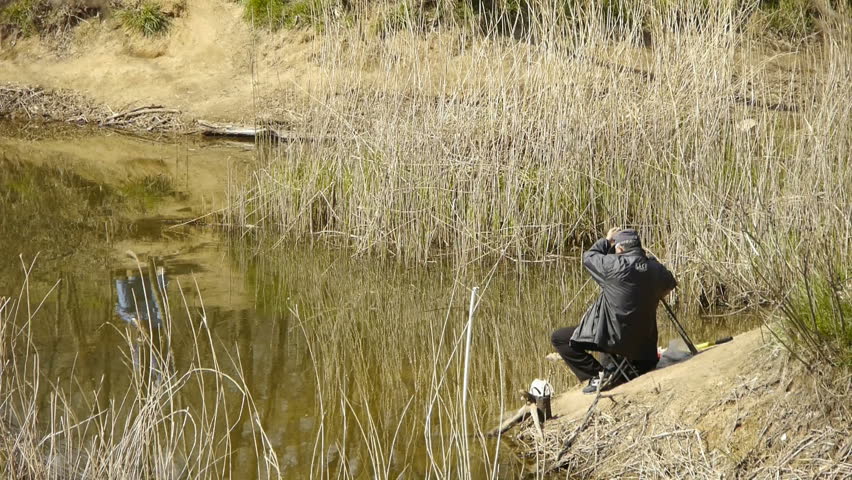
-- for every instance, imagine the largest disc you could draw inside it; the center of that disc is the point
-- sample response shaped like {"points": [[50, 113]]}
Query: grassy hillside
{"points": [[45, 17]]}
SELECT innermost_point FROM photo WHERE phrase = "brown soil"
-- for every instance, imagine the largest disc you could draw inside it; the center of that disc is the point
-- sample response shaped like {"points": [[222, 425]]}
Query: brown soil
{"points": [[205, 67], [743, 409]]}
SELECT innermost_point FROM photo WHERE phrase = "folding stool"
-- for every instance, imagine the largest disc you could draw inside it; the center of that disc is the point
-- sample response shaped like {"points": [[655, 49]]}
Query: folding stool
{"points": [[620, 367]]}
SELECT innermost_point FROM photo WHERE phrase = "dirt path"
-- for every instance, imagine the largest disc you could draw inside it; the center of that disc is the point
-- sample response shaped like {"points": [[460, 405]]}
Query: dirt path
{"points": [[204, 67]]}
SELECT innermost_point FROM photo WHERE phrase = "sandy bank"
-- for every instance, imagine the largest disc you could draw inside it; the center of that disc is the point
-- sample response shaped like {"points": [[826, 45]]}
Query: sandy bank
{"points": [[743, 409], [211, 65]]}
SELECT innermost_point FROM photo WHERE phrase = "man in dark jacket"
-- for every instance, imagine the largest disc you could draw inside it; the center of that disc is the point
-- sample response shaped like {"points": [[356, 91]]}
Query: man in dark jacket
{"points": [[623, 319]]}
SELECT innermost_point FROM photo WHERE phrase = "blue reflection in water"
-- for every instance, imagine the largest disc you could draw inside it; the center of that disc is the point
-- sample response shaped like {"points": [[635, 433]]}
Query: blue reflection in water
{"points": [[136, 301], [138, 305]]}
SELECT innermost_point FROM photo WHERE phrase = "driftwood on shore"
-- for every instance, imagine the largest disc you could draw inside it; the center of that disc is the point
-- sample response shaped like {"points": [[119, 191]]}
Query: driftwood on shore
{"points": [[149, 118], [213, 129], [34, 103], [239, 131], [124, 117], [513, 420]]}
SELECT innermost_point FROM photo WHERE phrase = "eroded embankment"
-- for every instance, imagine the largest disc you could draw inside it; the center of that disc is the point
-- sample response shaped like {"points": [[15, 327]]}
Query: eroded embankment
{"points": [[744, 409], [27, 103], [210, 66]]}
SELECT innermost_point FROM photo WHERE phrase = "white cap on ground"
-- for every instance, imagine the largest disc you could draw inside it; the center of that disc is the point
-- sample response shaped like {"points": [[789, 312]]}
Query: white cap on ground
{"points": [[541, 388]]}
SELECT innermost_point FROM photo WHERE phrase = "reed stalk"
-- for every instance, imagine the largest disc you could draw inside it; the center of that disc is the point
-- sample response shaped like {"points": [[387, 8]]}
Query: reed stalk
{"points": [[172, 420], [460, 143]]}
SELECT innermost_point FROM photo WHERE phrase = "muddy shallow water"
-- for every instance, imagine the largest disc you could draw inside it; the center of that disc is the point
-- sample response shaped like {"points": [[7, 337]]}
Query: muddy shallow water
{"points": [[353, 363]]}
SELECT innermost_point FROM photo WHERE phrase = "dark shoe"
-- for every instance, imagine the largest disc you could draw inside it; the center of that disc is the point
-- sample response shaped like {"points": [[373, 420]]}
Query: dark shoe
{"points": [[593, 385]]}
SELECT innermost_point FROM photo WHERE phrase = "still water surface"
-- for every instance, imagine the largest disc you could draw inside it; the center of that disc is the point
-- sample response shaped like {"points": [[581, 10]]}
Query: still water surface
{"points": [[353, 363]]}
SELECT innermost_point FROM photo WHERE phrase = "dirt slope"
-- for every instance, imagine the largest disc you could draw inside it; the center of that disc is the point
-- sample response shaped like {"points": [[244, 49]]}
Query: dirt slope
{"points": [[204, 66], [712, 370], [743, 409], [212, 65]]}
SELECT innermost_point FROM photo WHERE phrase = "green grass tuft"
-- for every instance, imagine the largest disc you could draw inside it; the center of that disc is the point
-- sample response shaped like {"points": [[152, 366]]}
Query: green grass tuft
{"points": [[287, 14], [399, 17], [263, 12], [820, 307], [147, 19], [789, 19], [21, 14], [36, 17]]}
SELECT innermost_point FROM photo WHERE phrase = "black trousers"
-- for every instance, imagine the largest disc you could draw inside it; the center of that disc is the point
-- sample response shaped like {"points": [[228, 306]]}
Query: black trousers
{"points": [[582, 363]]}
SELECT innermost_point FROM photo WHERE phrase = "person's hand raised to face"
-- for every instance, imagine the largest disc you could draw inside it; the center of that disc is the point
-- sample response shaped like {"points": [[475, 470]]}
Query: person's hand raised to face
{"points": [[611, 233]]}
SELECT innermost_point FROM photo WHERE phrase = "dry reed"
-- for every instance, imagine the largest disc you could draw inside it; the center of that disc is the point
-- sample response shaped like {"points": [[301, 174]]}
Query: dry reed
{"points": [[171, 420], [466, 144], [384, 346]]}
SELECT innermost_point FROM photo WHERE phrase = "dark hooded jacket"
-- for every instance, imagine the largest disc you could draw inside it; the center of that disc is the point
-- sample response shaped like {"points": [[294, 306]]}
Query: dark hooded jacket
{"points": [[623, 319]]}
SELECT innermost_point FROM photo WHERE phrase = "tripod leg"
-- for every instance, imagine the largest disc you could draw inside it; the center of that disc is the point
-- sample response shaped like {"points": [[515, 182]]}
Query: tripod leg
{"points": [[680, 329]]}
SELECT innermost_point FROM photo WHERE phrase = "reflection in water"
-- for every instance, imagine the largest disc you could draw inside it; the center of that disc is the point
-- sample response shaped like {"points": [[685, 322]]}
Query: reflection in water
{"points": [[133, 288], [139, 304], [352, 362]]}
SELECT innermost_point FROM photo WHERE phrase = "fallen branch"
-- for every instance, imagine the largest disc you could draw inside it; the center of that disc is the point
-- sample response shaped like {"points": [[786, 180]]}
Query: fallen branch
{"points": [[690, 431], [536, 420], [510, 422], [241, 131], [223, 130], [138, 112]]}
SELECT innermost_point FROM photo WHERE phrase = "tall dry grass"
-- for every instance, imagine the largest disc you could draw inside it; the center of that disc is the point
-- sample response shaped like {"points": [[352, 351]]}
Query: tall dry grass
{"points": [[383, 348], [166, 420], [461, 142]]}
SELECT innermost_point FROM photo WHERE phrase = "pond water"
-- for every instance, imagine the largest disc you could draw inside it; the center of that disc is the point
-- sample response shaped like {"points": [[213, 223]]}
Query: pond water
{"points": [[354, 364]]}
